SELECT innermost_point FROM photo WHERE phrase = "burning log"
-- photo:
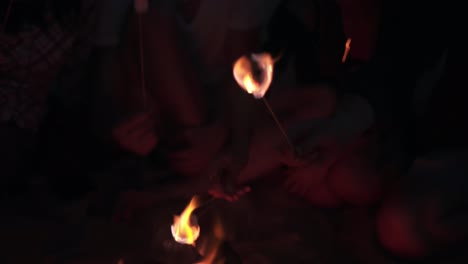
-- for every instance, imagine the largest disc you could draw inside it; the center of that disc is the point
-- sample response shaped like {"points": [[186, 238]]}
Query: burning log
{"points": [[215, 250], [225, 254]]}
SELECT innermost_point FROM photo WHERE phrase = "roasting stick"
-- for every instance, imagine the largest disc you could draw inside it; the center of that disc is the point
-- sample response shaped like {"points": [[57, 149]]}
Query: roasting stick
{"points": [[243, 72], [141, 7]]}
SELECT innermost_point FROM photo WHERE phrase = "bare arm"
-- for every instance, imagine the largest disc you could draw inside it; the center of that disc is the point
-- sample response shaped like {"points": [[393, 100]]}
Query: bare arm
{"points": [[181, 84], [169, 73]]}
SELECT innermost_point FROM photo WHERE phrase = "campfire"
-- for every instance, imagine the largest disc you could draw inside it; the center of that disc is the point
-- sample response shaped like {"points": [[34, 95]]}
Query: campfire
{"points": [[254, 74], [211, 251], [185, 229]]}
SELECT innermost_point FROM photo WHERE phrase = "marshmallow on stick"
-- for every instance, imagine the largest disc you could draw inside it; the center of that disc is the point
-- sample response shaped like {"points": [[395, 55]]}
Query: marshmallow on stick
{"points": [[254, 74]]}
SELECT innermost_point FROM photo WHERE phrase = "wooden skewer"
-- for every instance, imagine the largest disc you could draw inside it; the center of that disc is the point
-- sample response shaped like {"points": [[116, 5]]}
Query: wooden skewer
{"points": [[279, 125], [141, 7], [142, 61], [7, 17]]}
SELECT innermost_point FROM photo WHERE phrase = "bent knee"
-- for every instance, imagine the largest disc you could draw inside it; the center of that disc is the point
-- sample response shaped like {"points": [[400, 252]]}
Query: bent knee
{"points": [[356, 184], [398, 233], [313, 102], [322, 196], [325, 102]]}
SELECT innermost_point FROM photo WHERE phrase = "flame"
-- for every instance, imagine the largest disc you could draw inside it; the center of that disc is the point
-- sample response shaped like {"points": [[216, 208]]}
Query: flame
{"points": [[244, 76], [210, 253], [184, 230], [347, 49]]}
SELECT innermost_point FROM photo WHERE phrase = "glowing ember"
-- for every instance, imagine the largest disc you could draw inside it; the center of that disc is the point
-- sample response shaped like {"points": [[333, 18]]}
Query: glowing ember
{"points": [[185, 229], [254, 73], [347, 49]]}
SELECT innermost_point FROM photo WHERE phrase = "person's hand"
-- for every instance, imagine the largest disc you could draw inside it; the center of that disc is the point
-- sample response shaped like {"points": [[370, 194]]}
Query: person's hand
{"points": [[306, 151], [219, 193], [307, 167], [306, 137], [300, 180], [223, 173], [299, 157], [136, 134], [310, 145], [191, 150]]}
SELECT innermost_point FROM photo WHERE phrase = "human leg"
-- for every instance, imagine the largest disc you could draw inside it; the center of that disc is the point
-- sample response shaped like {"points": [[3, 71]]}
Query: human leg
{"points": [[427, 211], [16, 146], [343, 168], [292, 107], [355, 177], [173, 95], [169, 72]]}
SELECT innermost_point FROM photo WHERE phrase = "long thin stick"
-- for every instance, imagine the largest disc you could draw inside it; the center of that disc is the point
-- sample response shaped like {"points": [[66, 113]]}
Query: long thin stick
{"points": [[7, 16], [142, 61], [279, 125]]}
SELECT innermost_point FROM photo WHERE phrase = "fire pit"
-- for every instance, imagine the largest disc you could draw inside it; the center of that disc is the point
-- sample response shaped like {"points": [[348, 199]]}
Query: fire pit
{"points": [[212, 248], [267, 226], [185, 238]]}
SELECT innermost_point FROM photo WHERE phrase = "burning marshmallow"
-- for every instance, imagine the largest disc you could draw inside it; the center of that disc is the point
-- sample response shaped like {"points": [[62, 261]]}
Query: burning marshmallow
{"points": [[254, 73]]}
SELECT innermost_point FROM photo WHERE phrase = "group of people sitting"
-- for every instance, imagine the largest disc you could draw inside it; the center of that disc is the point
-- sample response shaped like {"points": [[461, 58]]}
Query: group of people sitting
{"points": [[162, 81]]}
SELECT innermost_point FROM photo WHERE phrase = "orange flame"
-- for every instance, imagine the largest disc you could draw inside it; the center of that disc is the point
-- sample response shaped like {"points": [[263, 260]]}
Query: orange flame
{"points": [[244, 76], [184, 229], [347, 49], [210, 253]]}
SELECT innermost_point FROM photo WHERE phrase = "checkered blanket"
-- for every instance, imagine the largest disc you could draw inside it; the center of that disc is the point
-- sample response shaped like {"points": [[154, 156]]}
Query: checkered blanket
{"points": [[29, 62]]}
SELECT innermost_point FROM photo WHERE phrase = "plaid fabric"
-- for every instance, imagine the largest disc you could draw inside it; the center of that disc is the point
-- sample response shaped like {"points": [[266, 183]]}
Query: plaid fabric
{"points": [[29, 62]]}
